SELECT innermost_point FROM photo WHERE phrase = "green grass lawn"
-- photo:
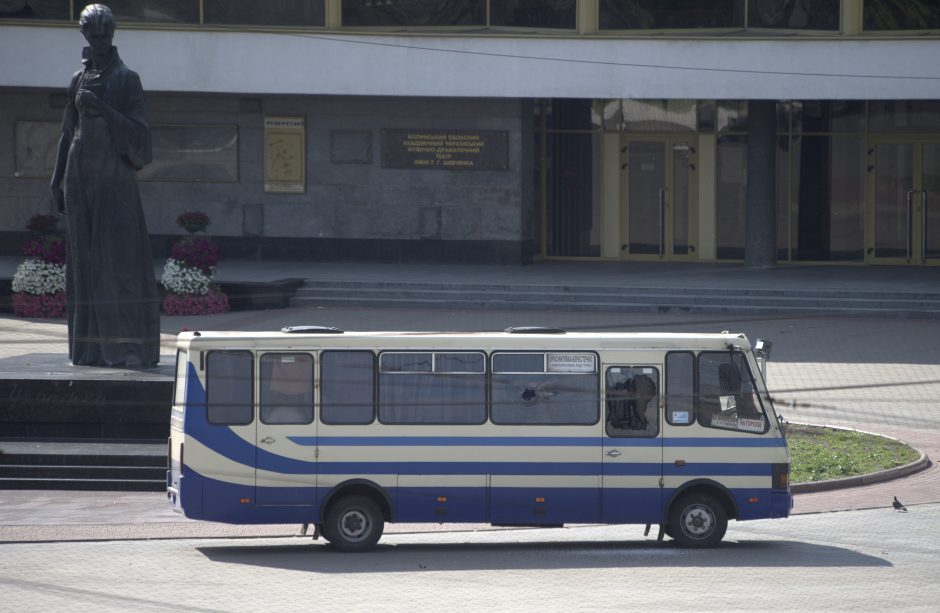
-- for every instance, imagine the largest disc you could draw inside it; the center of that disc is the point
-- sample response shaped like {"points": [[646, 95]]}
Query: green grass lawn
{"points": [[817, 454]]}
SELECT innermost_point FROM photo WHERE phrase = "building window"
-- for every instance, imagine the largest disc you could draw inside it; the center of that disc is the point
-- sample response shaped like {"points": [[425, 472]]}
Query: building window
{"points": [[269, 13], [373, 13], [46, 9], [794, 14], [670, 14], [533, 13], [172, 11], [882, 15]]}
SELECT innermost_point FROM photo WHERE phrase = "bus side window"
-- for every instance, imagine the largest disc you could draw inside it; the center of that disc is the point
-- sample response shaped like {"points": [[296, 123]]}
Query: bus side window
{"points": [[680, 388], [544, 388], [347, 387], [432, 387], [286, 388], [632, 394], [229, 387]]}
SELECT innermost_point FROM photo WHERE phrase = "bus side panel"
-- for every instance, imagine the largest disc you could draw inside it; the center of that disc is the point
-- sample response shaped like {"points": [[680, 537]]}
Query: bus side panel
{"points": [[631, 505], [441, 498], [741, 464], [218, 476], [543, 505]]}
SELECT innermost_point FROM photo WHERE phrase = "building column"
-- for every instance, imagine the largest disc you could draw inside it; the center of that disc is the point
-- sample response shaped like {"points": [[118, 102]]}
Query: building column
{"points": [[760, 246]]}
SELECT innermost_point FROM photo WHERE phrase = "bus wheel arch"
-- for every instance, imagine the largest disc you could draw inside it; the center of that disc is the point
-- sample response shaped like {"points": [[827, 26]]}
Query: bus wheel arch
{"points": [[698, 514]]}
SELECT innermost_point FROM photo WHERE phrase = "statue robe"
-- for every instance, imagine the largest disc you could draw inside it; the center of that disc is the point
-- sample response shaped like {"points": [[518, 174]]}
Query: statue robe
{"points": [[112, 299]]}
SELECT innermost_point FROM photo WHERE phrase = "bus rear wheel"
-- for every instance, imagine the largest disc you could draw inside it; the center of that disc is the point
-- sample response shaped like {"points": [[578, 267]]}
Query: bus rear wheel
{"points": [[353, 524], [697, 520]]}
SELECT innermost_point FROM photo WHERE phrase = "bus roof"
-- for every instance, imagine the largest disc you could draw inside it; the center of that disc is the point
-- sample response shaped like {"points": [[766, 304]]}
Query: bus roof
{"points": [[304, 338]]}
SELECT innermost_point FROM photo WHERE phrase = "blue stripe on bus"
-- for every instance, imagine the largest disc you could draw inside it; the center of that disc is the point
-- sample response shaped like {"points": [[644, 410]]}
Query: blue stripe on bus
{"points": [[529, 441], [543, 468]]}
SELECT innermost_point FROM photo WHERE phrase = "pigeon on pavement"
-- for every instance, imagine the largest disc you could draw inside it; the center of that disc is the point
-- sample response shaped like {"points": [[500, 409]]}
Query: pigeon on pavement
{"points": [[898, 506]]}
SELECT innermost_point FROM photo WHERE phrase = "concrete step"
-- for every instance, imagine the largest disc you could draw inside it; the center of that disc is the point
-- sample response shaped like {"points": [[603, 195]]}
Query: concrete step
{"points": [[868, 304], [100, 465], [626, 288], [79, 460], [691, 298], [122, 473], [91, 485]]}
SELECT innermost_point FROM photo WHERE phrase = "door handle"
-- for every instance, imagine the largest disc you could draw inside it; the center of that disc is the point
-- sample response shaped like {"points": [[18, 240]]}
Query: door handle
{"points": [[662, 220], [613, 453], [267, 440], [923, 226], [910, 220]]}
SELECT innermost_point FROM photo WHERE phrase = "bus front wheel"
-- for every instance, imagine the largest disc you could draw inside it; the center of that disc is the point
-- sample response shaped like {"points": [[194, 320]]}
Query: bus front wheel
{"points": [[353, 524], [698, 520]]}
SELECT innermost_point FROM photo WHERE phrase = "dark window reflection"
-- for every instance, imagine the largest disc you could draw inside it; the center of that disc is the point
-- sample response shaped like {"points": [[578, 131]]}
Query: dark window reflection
{"points": [[270, 13], [794, 14], [34, 9], [828, 115], [730, 210], [670, 14], [179, 11], [901, 15], [573, 215], [533, 13], [414, 12]]}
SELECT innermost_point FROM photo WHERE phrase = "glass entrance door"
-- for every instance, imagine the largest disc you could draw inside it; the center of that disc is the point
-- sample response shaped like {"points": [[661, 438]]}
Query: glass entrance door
{"points": [[660, 182], [904, 202]]}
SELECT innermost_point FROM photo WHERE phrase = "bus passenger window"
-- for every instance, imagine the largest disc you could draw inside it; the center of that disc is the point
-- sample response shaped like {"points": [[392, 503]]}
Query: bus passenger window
{"points": [[632, 401], [545, 388], [432, 388], [347, 387], [728, 397], [680, 388], [286, 388], [229, 387]]}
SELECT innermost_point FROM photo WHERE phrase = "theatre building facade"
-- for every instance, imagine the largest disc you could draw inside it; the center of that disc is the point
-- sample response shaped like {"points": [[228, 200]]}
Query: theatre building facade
{"points": [[756, 131]]}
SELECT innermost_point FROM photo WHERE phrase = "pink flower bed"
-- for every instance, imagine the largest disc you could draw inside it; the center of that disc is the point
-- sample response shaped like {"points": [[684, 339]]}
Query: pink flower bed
{"points": [[42, 306], [194, 304], [196, 252]]}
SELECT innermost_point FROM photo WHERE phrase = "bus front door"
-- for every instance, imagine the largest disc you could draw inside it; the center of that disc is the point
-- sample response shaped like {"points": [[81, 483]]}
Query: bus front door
{"points": [[632, 448], [285, 465]]}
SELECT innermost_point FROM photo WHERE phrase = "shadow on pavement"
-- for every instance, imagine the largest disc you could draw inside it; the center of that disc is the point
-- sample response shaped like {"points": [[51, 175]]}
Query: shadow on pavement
{"points": [[319, 558]]}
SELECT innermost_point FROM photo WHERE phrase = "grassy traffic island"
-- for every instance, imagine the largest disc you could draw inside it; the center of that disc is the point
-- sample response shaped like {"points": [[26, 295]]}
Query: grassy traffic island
{"points": [[820, 454]]}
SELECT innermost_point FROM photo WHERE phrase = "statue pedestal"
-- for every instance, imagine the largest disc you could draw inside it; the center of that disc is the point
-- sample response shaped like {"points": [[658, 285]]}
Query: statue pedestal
{"points": [[43, 396]]}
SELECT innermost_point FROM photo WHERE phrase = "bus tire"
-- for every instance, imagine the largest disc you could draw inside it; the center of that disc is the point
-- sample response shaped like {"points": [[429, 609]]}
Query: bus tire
{"points": [[353, 524], [698, 520]]}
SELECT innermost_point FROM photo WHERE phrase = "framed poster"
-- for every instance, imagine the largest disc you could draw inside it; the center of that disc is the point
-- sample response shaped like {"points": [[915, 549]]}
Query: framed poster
{"points": [[284, 160]]}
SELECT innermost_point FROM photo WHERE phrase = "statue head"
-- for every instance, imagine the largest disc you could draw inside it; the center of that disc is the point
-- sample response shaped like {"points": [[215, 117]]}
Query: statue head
{"points": [[97, 26]]}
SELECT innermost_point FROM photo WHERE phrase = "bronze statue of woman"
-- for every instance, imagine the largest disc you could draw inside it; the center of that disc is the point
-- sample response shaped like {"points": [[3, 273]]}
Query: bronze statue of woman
{"points": [[111, 293]]}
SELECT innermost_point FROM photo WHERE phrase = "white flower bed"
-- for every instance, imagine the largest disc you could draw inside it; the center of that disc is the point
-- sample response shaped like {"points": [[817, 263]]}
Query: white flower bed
{"points": [[181, 279], [34, 276]]}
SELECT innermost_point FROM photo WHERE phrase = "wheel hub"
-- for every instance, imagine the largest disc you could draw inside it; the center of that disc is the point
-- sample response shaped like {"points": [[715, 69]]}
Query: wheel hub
{"points": [[698, 521], [354, 525]]}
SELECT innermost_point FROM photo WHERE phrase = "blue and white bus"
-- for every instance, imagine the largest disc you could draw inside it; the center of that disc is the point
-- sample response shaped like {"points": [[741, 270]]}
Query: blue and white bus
{"points": [[346, 431]]}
